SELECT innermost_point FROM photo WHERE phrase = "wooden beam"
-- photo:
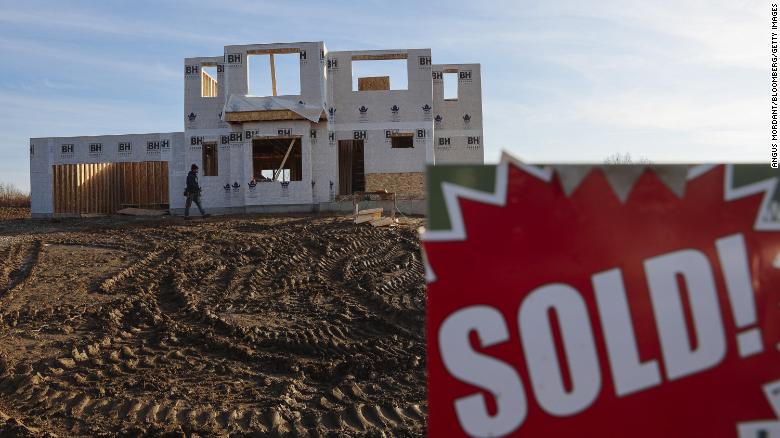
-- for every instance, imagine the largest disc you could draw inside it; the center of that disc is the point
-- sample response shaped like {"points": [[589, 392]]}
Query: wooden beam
{"points": [[276, 137], [284, 160], [279, 51], [264, 116], [273, 74], [379, 56]]}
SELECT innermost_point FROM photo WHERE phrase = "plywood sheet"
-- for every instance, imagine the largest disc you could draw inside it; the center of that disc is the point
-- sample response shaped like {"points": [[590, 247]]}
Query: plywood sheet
{"points": [[374, 83]]}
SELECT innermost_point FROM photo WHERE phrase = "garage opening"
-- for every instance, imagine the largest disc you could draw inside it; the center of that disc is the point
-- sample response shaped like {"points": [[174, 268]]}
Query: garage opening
{"points": [[352, 176], [277, 159], [104, 188]]}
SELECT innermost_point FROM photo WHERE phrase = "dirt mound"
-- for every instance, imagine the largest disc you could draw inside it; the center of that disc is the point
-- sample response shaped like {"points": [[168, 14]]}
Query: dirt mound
{"points": [[284, 326]]}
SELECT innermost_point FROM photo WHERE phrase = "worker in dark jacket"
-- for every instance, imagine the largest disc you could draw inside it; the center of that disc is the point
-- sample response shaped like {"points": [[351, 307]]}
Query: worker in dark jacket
{"points": [[192, 192]]}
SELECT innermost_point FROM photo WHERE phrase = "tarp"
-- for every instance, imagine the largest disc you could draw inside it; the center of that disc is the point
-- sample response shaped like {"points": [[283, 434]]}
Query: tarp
{"points": [[238, 103]]}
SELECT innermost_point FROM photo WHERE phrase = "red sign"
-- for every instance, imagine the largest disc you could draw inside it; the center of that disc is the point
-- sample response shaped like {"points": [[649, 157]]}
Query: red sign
{"points": [[581, 314]]}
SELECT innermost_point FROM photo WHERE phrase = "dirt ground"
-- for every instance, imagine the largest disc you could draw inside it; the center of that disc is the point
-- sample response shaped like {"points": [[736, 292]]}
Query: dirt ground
{"points": [[260, 326]]}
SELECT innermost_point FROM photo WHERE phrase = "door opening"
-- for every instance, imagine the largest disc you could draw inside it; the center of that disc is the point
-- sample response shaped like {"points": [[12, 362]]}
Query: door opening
{"points": [[351, 172]]}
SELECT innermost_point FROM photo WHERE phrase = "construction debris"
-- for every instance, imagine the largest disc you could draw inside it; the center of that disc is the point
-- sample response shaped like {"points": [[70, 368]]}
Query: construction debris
{"points": [[383, 222], [368, 215]]}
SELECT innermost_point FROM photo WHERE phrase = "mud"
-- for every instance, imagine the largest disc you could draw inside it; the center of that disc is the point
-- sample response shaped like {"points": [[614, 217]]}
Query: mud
{"points": [[302, 326]]}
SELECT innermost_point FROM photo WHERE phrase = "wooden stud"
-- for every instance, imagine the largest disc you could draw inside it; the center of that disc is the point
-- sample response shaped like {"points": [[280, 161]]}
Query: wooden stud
{"points": [[123, 198], [90, 180], [55, 188], [158, 182], [273, 51], [273, 74], [165, 182], [92, 184], [84, 197], [135, 182], [127, 184], [379, 56], [61, 185], [66, 188], [148, 183], [85, 188], [79, 187], [103, 189], [74, 176], [106, 187], [58, 187]]}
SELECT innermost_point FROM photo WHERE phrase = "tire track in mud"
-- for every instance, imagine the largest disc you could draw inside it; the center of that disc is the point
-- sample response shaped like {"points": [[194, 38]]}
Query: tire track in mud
{"points": [[20, 259], [300, 327]]}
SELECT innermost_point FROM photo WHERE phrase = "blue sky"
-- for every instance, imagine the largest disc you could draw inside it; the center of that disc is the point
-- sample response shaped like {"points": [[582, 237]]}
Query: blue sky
{"points": [[565, 81]]}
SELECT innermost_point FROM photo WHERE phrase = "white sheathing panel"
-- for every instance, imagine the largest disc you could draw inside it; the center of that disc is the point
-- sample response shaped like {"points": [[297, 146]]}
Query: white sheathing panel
{"points": [[230, 144], [93, 149], [373, 115], [40, 177], [458, 123], [312, 58], [231, 186], [274, 192], [113, 148], [203, 112], [324, 152]]}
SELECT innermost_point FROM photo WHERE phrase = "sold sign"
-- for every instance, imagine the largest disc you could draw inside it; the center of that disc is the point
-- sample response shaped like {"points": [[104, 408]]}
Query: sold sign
{"points": [[613, 301]]}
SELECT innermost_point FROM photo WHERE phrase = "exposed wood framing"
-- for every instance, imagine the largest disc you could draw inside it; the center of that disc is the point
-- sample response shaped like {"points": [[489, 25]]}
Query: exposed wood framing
{"points": [[273, 73], [374, 83], [208, 85], [104, 188], [276, 137], [284, 160], [279, 51], [266, 115], [379, 56]]}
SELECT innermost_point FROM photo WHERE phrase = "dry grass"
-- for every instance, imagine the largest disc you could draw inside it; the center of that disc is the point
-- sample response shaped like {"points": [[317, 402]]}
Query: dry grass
{"points": [[11, 196]]}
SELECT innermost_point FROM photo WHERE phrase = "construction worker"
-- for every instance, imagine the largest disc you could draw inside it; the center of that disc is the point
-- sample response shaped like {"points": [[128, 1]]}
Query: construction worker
{"points": [[192, 192]]}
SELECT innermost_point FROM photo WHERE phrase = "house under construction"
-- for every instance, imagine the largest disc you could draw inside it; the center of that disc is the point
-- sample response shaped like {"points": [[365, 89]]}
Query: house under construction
{"points": [[334, 135]]}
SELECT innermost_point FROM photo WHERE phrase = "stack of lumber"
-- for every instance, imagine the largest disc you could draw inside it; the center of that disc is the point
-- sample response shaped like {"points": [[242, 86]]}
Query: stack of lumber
{"points": [[374, 217], [368, 215], [383, 222]]}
